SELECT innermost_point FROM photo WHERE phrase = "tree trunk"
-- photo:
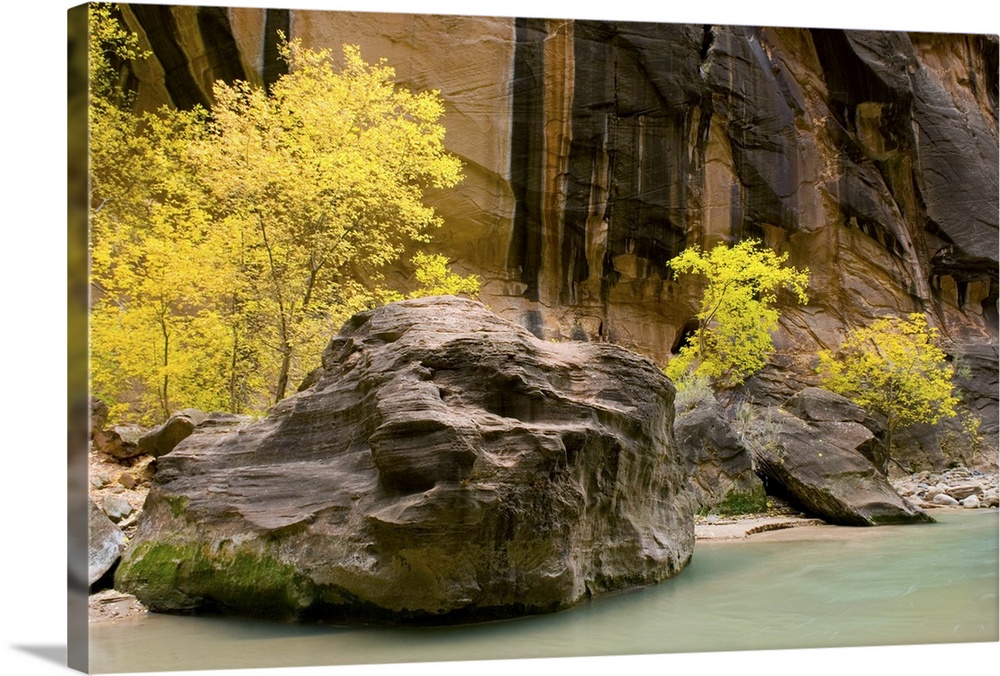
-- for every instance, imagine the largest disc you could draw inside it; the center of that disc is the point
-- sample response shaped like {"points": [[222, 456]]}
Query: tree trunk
{"points": [[164, 398], [286, 364], [234, 406]]}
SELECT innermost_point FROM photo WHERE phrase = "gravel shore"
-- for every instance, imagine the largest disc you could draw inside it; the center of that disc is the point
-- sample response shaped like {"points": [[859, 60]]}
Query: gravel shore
{"points": [[956, 487]]}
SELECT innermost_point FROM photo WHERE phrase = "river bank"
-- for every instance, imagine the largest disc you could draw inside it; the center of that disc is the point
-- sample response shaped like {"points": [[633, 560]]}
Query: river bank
{"points": [[953, 489]]}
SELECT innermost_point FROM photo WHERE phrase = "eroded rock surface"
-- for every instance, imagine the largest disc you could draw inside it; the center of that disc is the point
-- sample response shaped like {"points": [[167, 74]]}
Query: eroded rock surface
{"points": [[162, 439], [446, 465], [719, 461], [106, 541], [813, 457]]}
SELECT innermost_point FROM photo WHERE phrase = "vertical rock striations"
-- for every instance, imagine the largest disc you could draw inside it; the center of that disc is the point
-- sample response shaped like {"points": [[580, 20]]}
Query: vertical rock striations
{"points": [[597, 150]]}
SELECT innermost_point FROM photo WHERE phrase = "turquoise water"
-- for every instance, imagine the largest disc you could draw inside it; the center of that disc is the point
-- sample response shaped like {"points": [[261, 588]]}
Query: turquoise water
{"points": [[807, 587]]}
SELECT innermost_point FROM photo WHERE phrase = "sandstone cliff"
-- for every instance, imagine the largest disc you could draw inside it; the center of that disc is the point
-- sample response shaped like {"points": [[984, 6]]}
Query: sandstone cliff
{"points": [[595, 151]]}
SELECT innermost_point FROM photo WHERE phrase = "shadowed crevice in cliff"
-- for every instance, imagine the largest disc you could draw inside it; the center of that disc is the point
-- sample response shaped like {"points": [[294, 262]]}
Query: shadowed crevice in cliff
{"points": [[275, 20], [862, 66], [221, 50], [629, 163], [989, 47], [160, 27], [527, 154], [750, 93]]}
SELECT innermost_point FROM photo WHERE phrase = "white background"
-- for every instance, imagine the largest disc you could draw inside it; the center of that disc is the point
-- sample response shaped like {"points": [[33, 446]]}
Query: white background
{"points": [[33, 330]]}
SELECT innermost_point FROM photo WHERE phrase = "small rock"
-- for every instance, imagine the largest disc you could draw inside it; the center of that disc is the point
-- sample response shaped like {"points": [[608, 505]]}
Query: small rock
{"points": [[944, 500], [144, 471], [116, 507], [177, 428], [971, 502], [98, 415], [963, 491], [120, 442], [932, 493], [127, 480], [126, 523], [110, 604]]}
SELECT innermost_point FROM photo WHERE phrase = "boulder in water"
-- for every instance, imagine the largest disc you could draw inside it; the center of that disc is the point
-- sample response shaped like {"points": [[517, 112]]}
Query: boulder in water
{"points": [[445, 465]]}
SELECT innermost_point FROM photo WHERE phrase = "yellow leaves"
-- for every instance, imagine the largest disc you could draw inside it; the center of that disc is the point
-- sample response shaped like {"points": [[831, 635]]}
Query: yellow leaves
{"points": [[109, 44], [436, 279], [737, 314], [893, 367], [229, 244]]}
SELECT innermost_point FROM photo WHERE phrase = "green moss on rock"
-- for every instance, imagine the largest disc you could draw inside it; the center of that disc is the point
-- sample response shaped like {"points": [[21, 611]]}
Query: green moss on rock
{"points": [[174, 577]]}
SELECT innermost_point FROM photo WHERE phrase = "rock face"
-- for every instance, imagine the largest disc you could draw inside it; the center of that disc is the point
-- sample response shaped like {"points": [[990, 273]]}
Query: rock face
{"points": [[107, 542], [718, 461], [446, 465], [809, 451], [597, 150]]}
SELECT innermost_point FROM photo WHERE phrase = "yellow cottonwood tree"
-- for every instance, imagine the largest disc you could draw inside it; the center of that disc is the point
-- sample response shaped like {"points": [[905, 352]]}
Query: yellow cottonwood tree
{"points": [[227, 245], [161, 271], [159, 264], [323, 179], [895, 368], [737, 313], [436, 279]]}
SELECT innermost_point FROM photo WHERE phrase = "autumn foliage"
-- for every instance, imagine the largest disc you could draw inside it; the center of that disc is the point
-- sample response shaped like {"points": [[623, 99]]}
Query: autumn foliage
{"points": [[737, 313], [229, 244], [893, 367]]}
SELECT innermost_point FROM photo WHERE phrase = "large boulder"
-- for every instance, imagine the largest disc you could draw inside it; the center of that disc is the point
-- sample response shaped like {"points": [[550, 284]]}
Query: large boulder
{"points": [[815, 460], [446, 465]]}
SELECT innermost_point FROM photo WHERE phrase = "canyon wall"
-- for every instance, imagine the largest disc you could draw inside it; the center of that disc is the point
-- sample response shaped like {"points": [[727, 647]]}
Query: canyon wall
{"points": [[595, 151]]}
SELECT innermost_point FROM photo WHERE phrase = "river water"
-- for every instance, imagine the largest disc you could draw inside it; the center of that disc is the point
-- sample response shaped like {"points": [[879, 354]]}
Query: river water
{"points": [[807, 587]]}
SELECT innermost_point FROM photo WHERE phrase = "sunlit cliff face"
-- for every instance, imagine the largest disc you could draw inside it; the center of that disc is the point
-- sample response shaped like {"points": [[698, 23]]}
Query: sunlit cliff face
{"points": [[596, 151]]}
